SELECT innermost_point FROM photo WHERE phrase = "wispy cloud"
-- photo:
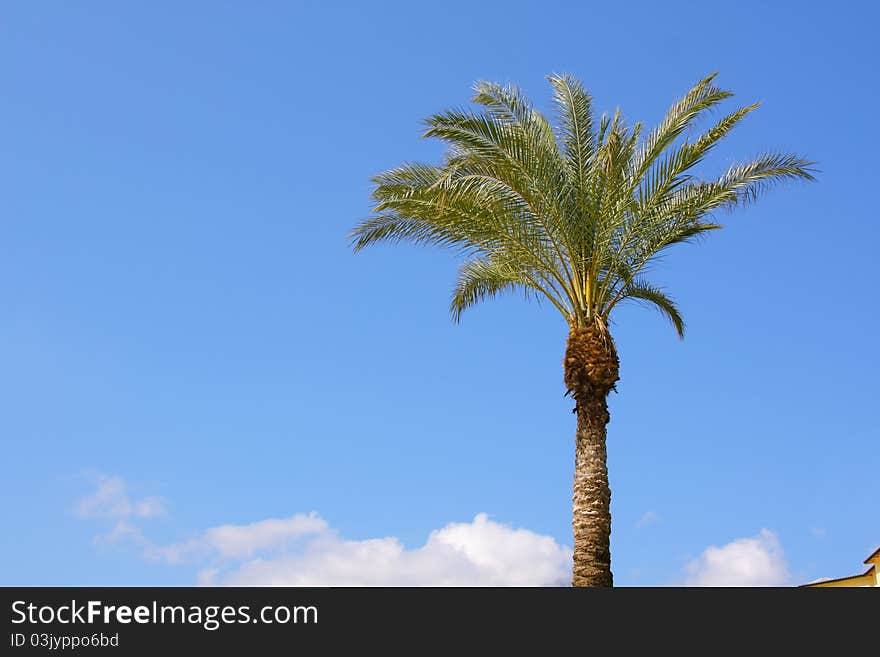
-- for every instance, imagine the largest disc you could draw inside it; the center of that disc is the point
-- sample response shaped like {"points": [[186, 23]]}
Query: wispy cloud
{"points": [[648, 518], [229, 542], [110, 501]]}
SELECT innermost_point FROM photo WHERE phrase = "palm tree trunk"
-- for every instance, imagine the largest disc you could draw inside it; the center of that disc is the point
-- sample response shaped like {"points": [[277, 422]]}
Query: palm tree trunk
{"points": [[591, 370]]}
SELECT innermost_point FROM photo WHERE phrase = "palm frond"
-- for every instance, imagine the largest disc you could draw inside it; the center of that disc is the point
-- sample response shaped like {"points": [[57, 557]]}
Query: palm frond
{"points": [[750, 180], [576, 134], [640, 290], [702, 96], [577, 213], [486, 277]]}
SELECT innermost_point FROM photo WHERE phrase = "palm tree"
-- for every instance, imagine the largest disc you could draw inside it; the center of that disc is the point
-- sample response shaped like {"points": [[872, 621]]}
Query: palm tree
{"points": [[574, 214]]}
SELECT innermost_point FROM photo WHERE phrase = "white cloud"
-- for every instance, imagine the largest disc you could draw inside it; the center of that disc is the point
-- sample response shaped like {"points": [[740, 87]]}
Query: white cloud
{"points": [[243, 541], [110, 501], [754, 561], [304, 551], [122, 531], [149, 507], [648, 518]]}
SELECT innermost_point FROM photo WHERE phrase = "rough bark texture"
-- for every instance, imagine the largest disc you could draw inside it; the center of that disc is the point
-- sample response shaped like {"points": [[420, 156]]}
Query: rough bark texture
{"points": [[591, 370]]}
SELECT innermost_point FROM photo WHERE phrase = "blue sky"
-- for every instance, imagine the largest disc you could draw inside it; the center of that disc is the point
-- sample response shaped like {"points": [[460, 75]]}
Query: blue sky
{"points": [[184, 330]]}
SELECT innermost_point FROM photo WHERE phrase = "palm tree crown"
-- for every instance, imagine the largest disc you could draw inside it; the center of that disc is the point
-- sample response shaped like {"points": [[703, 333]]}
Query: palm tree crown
{"points": [[574, 213]]}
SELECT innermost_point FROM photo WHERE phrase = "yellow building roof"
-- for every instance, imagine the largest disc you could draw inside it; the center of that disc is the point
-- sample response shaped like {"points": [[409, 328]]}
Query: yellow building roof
{"points": [[867, 578]]}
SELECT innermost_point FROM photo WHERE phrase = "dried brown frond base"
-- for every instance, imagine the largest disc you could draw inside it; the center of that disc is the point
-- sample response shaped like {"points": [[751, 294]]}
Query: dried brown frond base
{"points": [[591, 365]]}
